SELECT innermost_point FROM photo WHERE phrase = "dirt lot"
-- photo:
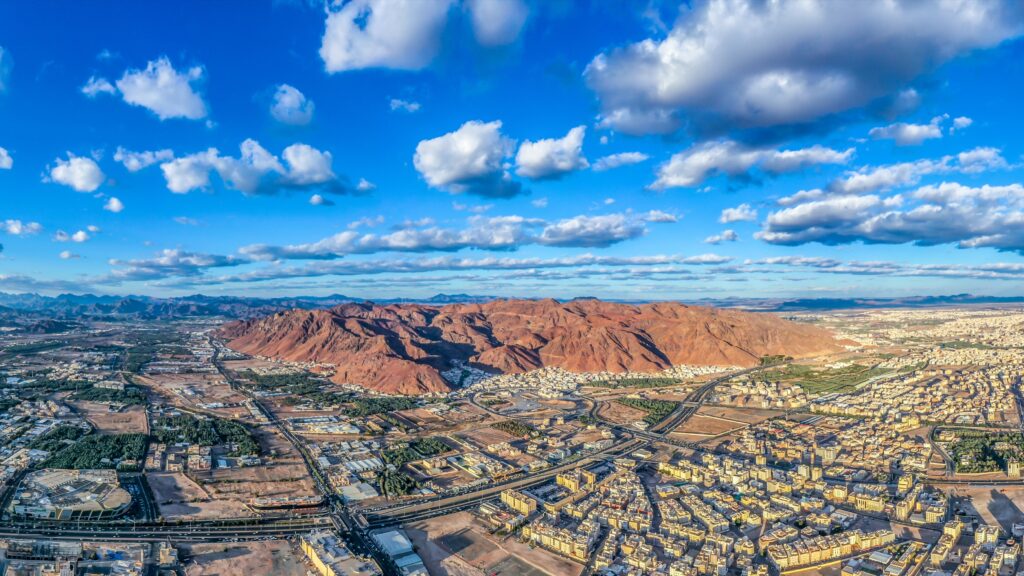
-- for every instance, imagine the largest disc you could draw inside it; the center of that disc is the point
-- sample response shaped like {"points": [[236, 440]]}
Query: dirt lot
{"points": [[275, 557], [128, 419], [455, 546], [197, 391], [178, 496], [485, 436], [620, 413], [746, 415], [997, 505]]}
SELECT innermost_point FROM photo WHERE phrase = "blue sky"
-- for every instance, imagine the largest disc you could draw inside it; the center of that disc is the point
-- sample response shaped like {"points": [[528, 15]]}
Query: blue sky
{"points": [[382, 148]]}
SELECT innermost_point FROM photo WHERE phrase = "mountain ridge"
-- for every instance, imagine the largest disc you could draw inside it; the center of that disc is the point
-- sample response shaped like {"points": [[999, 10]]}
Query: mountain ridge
{"points": [[403, 348]]}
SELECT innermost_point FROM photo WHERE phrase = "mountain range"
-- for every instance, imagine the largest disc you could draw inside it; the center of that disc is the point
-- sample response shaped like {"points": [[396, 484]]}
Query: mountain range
{"points": [[404, 348]]}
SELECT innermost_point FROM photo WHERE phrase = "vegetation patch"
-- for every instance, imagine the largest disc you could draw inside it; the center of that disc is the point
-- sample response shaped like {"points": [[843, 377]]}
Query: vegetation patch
{"points": [[828, 380], [515, 428], [635, 382], [370, 406], [100, 451], [206, 432], [131, 395], [657, 410], [977, 451]]}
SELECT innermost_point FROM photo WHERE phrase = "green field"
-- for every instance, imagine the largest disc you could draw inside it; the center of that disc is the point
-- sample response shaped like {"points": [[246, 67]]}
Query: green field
{"points": [[825, 381], [657, 410]]}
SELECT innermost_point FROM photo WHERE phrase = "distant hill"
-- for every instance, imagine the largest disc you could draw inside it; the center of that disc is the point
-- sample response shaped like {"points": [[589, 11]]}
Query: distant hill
{"points": [[403, 348]]}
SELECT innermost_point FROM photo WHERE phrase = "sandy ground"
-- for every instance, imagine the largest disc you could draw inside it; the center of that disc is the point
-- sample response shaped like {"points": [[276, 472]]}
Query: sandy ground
{"points": [[194, 390], [620, 413], [178, 496], [128, 419], [707, 426], [268, 558], [997, 505], [747, 415], [455, 545]]}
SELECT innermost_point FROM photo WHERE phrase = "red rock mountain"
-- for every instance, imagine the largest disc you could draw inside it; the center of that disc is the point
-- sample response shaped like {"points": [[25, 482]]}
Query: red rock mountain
{"points": [[403, 348]]}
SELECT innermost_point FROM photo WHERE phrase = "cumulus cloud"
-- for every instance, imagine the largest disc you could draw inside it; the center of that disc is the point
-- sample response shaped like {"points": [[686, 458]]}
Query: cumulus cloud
{"points": [[6, 162], [497, 22], [78, 172], [482, 233], [68, 255], [400, 34], [741, 213], [290, 106], [696, 164], [365, 185], [95, 86], [163, 90], [404, 105], [77, 237], [724, 236], [909, 134], [255, 171], [169, 262], [888, 176], [739, 64], [621, 159], [113, 205], [135, 161], [19, 228], [449, 263], [469, 160], [961, 122], [970, 217], [552, 157], [319, 200]]}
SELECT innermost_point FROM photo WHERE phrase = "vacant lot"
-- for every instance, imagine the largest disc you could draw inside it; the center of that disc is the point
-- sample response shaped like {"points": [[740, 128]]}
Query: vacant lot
{"points": [[128, 419], [177, 496], [276, 557], [455, 546]]}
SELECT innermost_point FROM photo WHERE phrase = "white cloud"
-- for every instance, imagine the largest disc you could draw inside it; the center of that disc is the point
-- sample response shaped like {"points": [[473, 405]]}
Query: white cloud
{"points": [[696, 164], [6, 162], [77, 237], [290, 106], [186, 221], [255, 171], [497, 22], [135, 161], [319, 200], [885, 177], [404, 105], [469, 160], [539, 202], [93, 228], [724, 236], [483, 233], [401, 34], [19, 228], [80, 173], [961, 122], [68, 255], [970, 217], [744, 64], [621, 159], [113, 205], [909, 134], [552, 157], [741, 213], [163, 90], [365, 185], [95, 86]]}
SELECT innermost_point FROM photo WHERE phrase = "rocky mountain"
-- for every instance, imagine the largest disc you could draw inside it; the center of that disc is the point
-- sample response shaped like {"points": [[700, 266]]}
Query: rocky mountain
{"points": [[403, 348]]}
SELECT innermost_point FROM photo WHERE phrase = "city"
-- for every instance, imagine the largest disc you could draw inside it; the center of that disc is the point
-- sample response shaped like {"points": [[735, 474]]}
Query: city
{"points": [[138, 445], [512, 288]]}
